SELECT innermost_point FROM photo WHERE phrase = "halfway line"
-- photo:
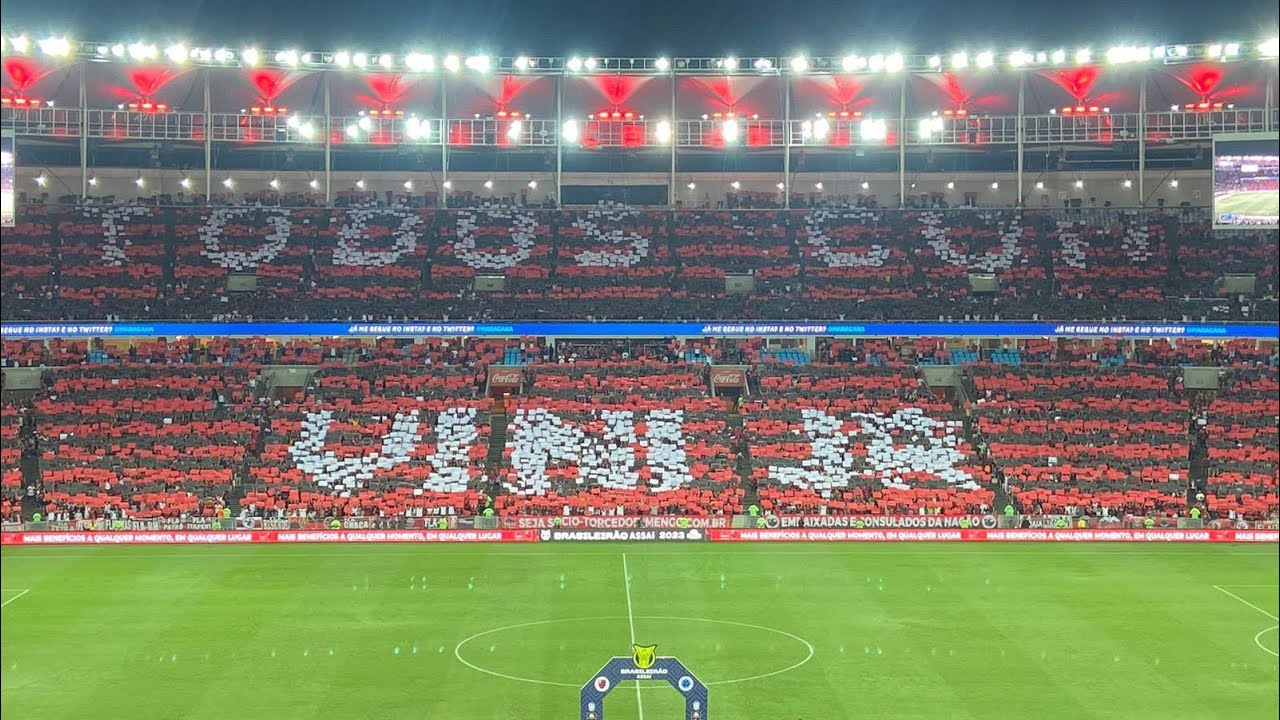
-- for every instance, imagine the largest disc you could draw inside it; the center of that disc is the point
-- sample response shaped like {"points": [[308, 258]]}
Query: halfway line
{"points": [[15, 597], [631, 622], [1221, 589]]}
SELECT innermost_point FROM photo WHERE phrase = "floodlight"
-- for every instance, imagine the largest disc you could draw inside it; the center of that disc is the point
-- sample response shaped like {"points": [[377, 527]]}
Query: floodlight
{"points": [[488, 184], [1270, 48], [55, 47], [452, 63], [574, 64], [143, 51], [986, 59], [360, 183], [20, 44], [692, 186], [314, 184], [729, 131], [729, 63], [1040, 185], [1058, 57], [521, 63], [408, 185], [866, 185], [42, 180], [533, 184], [735, 185], [228, 183], [662, 64], [1079, 184], [514, 130], [995, 186], [274, 184], [662, 131], [569, 131], [1083, 56], [176, 53], [894, 63], [185, 183], [870, 129], [799, 64], [478, 63], [386, 61], [590, 63], [821, 128], [249, 56], [935, 61], [959, 60]]}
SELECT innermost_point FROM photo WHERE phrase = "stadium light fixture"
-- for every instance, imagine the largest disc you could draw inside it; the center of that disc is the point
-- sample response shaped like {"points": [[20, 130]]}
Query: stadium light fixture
{"points": [[287, 57], [93, 182], [1040, 185], [799, 64], [408, 185], [1058, 57], [995, 186], [478, 63], [866, 185], [959, 61], [228, 183], [185, 183], [1128, 183], [513, 131], [353, 131], [452, 63], [876, 63], [590, 64], [735, 185], [447, 184], [894, 63], [249, 56], [416, 129], [386, 61], [873, 130], [569, 131], [1173, 183], [1231, 50], [935, 61], [818, 186], [781, 186], [729, 131], [521, 63], [853, 63], [574, 64], [930, 126], [20, 44], [1079, 184], [55, 47], [821, 128], [342, 59], [488, 184], [359, 59], [1270, 48], [143, 51], [533, 184], [662, 64], [314, 184], [729, 63], [986, 59], [42, 180], [692, 186], [662, 131], [763, 64], [274, 184], [1084, 56], [360, 183], [140, 181], [223, 55], [1019, 58], [365, 124], [951, 186]]}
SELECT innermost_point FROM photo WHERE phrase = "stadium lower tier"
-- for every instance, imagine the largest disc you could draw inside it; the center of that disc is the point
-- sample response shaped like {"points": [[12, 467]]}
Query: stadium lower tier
{"points": [[91, 262], [407, 430]]}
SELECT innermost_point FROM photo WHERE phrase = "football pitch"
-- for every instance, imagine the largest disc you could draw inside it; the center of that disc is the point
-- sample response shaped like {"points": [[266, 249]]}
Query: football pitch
{"points": [[786, 632], [1256, 203]]}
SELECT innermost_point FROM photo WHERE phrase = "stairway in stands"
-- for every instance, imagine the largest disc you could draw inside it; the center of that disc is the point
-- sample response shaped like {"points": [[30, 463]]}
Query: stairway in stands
{"points": [[959, 400], [499, 419]]}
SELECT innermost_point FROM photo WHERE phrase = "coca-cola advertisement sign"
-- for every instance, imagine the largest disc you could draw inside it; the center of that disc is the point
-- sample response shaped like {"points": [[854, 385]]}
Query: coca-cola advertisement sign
{"points": [[614, 522], [505, 376], [721, 377]]}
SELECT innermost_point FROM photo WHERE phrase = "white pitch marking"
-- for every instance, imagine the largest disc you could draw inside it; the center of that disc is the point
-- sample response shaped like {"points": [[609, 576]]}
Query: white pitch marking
{"points": [[15, 597], [631, 621], [1221, 589]]}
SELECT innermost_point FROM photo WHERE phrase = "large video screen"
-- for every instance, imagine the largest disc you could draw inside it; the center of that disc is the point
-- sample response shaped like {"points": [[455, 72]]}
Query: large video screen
{"points": [[1246, 181], [7, 165]]}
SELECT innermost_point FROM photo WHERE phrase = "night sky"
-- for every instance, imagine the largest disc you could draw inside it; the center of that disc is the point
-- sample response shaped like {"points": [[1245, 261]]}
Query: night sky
{"points": [[648, 27]]}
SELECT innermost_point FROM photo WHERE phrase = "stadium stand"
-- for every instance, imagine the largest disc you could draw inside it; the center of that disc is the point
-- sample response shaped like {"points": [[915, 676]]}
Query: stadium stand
{"points": [[92, 262]]}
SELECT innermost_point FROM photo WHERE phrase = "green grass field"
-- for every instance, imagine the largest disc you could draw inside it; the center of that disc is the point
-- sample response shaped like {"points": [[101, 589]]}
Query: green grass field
{"points": [[472, 633], [1258, 203]]}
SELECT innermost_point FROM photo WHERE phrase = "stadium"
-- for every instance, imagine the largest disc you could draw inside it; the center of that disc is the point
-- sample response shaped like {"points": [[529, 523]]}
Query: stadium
{"points": [[404, 382]]}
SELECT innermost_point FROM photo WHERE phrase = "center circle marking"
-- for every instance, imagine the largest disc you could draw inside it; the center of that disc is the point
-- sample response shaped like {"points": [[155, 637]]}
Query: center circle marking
{"points": [[1257, 639], [457, 650]]}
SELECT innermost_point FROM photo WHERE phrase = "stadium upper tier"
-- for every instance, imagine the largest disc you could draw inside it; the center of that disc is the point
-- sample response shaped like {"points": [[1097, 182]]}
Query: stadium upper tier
{"points": [[494, 262]]}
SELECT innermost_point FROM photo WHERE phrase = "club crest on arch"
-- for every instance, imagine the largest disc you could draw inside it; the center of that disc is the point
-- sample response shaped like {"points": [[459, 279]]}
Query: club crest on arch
{"points": [[644, 656]]}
